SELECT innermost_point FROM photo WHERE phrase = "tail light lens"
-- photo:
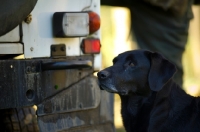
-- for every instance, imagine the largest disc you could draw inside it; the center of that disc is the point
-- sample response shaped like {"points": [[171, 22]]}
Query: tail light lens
{"points": [[75, 24], [70, 24], [91, 46]]}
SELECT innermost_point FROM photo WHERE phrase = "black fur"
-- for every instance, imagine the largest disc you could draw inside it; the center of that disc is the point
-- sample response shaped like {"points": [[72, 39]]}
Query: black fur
{"points": [[151, 101]]}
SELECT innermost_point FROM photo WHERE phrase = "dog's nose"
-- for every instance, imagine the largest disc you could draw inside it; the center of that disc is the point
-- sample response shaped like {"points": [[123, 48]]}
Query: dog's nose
{"points": [[103, 74]]}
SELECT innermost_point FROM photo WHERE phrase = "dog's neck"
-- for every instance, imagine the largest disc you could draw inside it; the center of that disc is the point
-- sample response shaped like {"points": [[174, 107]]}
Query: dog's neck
{"points": [[170, 101], [172, 91], [138, 109]]}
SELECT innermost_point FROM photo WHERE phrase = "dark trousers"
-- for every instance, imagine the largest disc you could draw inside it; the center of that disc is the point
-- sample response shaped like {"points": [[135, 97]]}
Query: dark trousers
{"points": [[159, 30]]}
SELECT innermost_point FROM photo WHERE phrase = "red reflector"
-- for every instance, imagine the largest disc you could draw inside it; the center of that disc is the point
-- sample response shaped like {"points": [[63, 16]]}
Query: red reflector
{"points": [[94, 22], [91, 46]]}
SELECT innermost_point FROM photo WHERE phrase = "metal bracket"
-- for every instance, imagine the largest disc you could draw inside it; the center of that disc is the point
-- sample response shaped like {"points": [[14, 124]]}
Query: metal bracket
{"points": [[58, 50]]}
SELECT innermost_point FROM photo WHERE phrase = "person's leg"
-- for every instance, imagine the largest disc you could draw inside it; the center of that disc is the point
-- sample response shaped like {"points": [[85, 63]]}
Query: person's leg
{"points": [[160, 31]]}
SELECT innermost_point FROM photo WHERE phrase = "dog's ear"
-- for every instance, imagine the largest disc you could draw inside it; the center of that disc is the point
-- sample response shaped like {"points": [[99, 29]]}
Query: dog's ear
{"points": [[161, 71]]}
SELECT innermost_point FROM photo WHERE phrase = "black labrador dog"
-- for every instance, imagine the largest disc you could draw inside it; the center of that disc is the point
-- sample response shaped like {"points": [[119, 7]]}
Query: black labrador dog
{"points": [[151, 101]]}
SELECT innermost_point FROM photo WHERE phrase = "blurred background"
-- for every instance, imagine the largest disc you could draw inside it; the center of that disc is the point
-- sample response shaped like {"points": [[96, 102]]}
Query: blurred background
{"points": [[116, 38]]}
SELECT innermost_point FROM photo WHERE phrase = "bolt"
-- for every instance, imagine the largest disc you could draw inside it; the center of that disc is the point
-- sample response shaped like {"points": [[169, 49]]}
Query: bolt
{"points": [[31, 48], [28, 19], [62, 48], [53, 49]]}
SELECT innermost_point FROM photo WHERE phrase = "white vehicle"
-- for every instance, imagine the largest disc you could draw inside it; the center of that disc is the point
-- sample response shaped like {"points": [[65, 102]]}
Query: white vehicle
{"points": [[49, 51]]}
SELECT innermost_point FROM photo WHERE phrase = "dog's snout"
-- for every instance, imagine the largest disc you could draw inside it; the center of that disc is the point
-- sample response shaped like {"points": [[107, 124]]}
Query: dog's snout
{"points": [[103, 74]]}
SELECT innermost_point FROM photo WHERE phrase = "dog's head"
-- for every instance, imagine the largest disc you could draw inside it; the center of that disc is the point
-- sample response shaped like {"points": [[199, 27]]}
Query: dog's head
{"points": [[137, 71]]}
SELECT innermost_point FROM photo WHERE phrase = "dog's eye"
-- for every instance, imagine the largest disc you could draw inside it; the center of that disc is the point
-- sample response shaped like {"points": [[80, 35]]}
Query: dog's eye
{"points": [[131, 64]]}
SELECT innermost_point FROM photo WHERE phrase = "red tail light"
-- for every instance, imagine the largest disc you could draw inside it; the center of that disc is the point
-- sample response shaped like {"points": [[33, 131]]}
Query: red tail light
{"points": [[91, 46]]}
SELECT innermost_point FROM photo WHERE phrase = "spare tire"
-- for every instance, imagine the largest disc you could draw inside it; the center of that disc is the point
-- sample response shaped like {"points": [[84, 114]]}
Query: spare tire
{"points": [[13, 12]]}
